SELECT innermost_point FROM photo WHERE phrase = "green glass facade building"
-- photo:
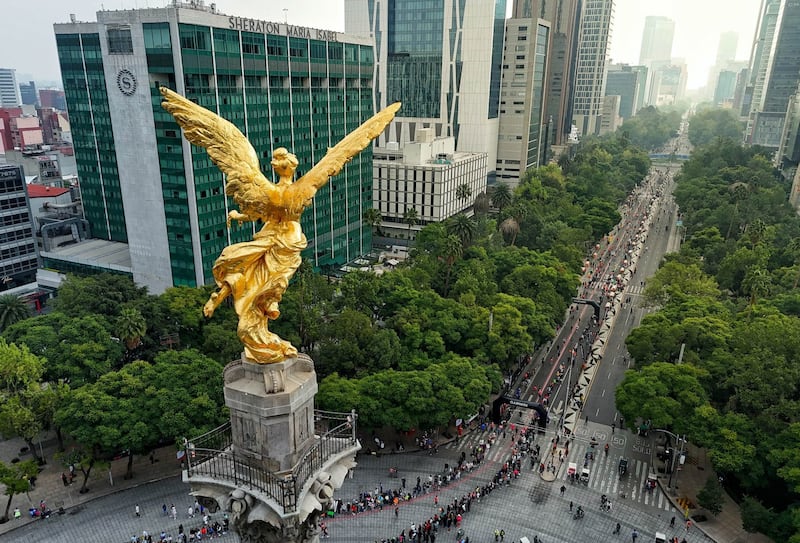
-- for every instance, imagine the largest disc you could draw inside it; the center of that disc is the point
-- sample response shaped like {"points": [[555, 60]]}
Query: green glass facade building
{"points": [[282, 86]]}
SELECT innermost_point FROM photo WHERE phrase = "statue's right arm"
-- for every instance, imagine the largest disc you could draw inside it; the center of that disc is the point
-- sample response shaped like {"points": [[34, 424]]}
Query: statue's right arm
{"points": [[238, 216]]}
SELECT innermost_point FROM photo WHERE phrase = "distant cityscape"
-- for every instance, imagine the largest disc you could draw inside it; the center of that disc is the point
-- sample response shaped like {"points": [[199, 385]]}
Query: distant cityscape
{"points": [[98, 177]]}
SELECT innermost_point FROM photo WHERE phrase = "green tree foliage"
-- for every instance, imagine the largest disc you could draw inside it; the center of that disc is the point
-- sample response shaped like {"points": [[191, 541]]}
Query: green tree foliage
{"points": [[78, 349], [663, 393], [730, 297], [414, 399], [131, 327], [23, 399], [373, 218], [103, 294], [651, 127], [15, 479], [144, 404], [501, 196], [679, 281], [709, 124], [710, 496], [12, 310]]}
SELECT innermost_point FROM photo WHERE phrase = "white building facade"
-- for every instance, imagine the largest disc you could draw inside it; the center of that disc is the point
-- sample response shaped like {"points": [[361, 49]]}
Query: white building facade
{"points": [[425, 175]]}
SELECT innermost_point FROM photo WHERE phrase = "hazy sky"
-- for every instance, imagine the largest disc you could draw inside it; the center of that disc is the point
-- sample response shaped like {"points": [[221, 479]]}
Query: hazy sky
{"points": [[29, 45]]}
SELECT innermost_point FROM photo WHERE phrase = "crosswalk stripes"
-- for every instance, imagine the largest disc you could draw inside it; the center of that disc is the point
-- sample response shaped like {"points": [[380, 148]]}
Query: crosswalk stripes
{"points": [[604, 476], [634, 290], [498, 452], [605, 479]]}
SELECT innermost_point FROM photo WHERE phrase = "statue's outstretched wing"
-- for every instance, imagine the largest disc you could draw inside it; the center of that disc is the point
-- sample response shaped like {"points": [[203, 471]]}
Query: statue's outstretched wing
{"points": [[339, 155], [226, 145]]}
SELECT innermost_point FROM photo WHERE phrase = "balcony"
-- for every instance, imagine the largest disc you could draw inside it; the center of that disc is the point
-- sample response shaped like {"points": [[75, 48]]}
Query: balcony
{"points": [[212, 456]]}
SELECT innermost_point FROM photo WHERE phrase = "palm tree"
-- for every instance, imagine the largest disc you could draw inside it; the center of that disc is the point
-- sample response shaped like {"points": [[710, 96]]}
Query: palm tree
{"points": [[12, 310], [756, 231], [451, 251], [374, 219], [463, 192], [501, 196], [756, 283], [481, 204], [412, 218], [739, 191], [463, 227], [131, 327], [510, 227]]}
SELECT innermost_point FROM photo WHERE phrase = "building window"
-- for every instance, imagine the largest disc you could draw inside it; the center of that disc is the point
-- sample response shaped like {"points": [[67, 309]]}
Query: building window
{"points": [[119, 41]]}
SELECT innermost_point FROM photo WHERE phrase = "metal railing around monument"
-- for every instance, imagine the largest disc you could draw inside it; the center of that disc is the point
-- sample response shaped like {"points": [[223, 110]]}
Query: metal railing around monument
{"points": [[212, 455]]}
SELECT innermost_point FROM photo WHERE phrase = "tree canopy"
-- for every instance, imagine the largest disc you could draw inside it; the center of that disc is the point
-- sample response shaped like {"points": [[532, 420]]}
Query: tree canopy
{"points": [[730, 298], [709, 124]]}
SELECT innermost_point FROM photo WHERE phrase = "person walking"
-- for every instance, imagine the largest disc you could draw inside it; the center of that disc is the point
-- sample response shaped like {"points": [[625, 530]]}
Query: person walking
{"points": [[563, 489], [672, 522], [617, 528], [570, 506], [138, 511], [634, 536]]}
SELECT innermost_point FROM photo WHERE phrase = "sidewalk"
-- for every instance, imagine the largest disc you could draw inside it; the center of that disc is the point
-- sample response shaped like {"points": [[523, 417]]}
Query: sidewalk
{"points": [[725, 527], [50, 488]]}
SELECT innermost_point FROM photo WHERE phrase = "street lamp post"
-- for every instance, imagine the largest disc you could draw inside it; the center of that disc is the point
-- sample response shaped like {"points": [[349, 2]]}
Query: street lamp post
{"points": [[674, 457]]}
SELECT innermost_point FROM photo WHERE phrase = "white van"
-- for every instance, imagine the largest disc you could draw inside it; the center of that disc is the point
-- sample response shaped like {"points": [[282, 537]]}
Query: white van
{"points": [[661, 538], [524, 540]]}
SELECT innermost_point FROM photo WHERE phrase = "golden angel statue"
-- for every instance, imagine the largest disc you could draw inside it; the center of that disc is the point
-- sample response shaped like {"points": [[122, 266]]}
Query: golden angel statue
{"points": [[256, 273]]}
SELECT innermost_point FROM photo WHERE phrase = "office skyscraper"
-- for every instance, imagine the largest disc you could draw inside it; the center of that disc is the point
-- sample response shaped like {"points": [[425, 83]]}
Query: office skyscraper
{"points": [[18, 259], [442, 59], [725, 62], [780, 79], [657, 38], [759, 63], [28, 94], [522, 142], [624, 81], [726, 50], [564, 19], [282, 85], [590, 77]]}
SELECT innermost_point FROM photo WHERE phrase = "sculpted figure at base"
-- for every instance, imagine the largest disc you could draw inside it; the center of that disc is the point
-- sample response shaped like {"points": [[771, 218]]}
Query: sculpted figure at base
{"points": [[256, 273]]}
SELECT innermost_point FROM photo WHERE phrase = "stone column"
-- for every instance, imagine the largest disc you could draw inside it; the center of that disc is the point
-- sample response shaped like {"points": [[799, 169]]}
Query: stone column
{"points": [[276, 477]]}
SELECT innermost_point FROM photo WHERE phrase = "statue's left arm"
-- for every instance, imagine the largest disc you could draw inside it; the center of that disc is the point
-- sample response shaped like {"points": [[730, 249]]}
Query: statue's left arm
{"points": [[339, 155]]}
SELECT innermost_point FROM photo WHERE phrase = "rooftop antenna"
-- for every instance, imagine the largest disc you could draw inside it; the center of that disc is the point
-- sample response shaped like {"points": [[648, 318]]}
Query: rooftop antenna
{"points": [[286, 16]]}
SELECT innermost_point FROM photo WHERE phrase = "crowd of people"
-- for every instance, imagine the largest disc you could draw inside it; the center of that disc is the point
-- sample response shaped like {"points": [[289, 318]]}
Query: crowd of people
{"points": [[204, 528], [447, 518]]}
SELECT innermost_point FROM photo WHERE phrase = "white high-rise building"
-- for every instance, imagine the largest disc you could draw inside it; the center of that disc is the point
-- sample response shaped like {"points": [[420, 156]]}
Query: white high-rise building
{"points": [[9, 90], [590, 77], [442, 59]]}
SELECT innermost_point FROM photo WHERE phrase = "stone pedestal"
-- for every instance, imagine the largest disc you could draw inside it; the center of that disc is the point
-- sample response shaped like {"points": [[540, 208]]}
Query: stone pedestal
{"points": [[272, 469], [272, 410]]}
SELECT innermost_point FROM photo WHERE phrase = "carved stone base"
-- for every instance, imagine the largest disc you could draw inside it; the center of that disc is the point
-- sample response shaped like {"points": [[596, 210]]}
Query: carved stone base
{"points": [[272, 410], [258, 519]]}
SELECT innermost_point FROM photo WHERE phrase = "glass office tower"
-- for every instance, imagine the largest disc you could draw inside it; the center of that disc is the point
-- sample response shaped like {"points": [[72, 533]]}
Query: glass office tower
{"points": [[281, 85]]}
